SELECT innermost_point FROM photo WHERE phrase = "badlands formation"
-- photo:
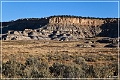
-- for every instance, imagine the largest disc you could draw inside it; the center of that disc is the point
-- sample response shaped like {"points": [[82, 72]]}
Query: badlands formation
{"points": [[61, 28]]}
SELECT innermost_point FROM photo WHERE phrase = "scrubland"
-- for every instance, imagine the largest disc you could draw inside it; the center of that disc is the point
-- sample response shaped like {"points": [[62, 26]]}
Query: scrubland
{"points": [[58, 59]]}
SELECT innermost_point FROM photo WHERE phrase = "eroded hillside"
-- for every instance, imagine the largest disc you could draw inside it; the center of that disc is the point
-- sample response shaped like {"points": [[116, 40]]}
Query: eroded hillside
{"points": [[59, 28]]}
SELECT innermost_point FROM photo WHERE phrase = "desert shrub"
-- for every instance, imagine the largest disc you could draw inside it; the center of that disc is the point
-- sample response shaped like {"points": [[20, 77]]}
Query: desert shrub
{"points": [[88, 69], [13, 69], [54, 57], [111, 57], [59, 57], [36, 68], [66, 71], [105, 71], [107, 57], [32, 72], [66, 57], [32, 61], [89, 72], [74, 71], [101, 71], [90, 58], [80, 61], [57, 69], [33, 68]]}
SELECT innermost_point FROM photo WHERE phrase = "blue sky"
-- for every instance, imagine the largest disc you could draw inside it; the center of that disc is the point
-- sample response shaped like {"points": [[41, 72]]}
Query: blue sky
{"points": [[16, 10]]}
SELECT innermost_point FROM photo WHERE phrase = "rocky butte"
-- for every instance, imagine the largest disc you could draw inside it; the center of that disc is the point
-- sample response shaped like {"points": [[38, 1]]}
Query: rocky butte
{"points": [[61, 27]]}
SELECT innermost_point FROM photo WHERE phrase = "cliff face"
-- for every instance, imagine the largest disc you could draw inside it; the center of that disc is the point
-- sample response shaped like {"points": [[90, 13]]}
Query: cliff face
{"points": [[59, 28], [79, 21]]}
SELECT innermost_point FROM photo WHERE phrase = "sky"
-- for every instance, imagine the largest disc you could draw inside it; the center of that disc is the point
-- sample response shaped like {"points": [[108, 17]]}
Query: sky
{"points": [[17, 10]]}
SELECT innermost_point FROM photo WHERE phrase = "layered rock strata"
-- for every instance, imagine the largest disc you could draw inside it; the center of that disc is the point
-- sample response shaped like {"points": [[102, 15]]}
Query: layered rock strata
{"points": [[59, 28]]}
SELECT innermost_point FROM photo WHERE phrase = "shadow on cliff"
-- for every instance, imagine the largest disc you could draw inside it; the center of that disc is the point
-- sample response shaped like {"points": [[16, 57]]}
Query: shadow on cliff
{"points": [[109, 29], [24, 24]]}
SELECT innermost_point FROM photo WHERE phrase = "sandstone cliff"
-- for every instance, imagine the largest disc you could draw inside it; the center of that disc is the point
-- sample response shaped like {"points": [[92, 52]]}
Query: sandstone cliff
{"points": [[59, 28]]}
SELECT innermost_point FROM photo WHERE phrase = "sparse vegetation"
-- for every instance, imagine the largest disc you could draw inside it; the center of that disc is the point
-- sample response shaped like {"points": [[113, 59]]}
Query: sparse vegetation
{"points": [[34, 67], [60, 46], [54, 59]]}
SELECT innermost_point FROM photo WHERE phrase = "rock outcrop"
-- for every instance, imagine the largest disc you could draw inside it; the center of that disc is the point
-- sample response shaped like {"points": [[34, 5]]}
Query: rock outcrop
{"points": [[59, 28]]}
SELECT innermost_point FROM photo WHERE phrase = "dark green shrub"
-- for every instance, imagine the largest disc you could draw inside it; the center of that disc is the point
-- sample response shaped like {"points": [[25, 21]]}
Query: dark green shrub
{"points": [[90, 58], [106, 71], [67, 71], [89, 72], [33, 68], [80, 61], [36, 68], [57, 69], [74, 71], [12, 69]]}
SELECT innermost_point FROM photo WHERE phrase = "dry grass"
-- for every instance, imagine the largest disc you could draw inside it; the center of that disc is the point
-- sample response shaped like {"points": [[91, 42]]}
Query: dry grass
{"points": [[63, 52]]}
